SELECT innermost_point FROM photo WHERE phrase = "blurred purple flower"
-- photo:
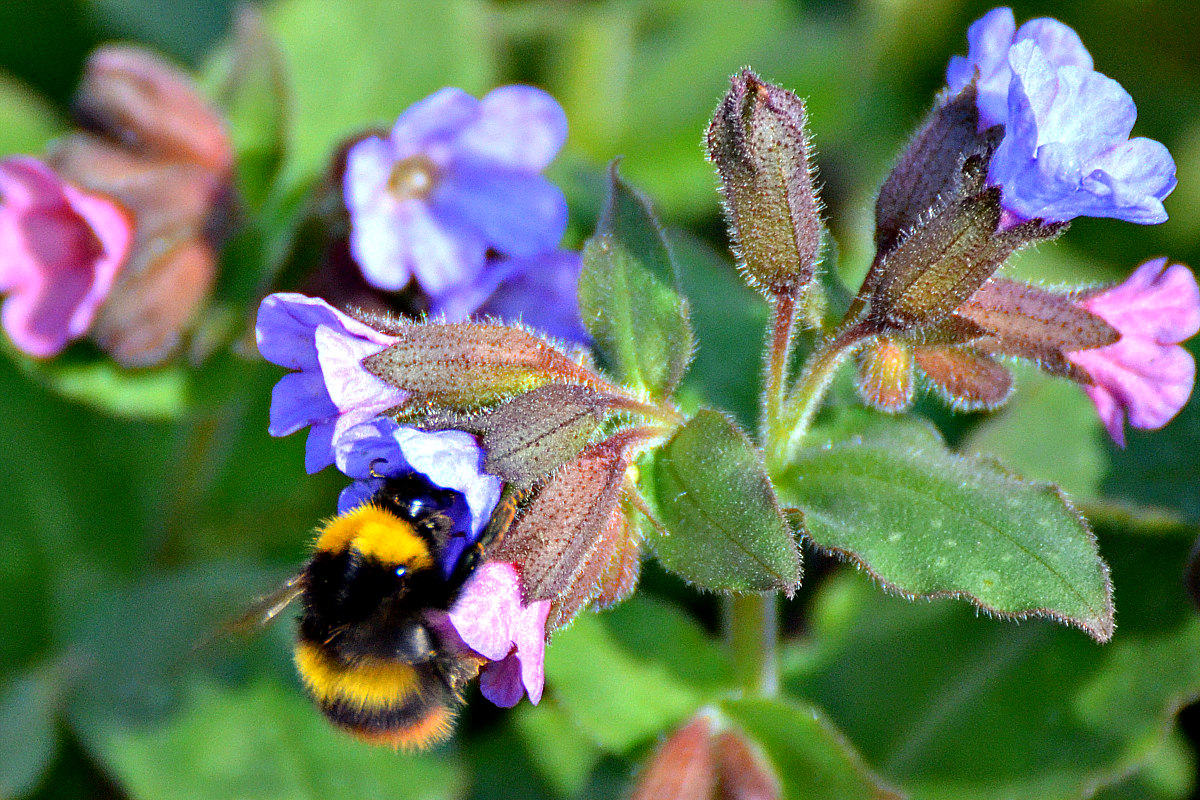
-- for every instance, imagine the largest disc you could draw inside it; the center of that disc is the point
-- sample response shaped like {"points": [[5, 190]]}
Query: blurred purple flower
{"points": [[60, 250], [457, 177], [331, 391], [489, 616], [1066, 150], [540, 291], [1146, 375], [492, 620]]}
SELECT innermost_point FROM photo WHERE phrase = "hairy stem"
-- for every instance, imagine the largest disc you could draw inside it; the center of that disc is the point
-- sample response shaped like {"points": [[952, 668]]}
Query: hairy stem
{"points": [[779, 349], [809, 392], [752, 630]]}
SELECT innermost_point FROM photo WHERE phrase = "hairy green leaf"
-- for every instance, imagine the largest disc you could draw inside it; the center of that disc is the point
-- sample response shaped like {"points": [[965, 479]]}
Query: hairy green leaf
{"points": [[725, 530], [980, 708], [926, 522], [638, 320]]}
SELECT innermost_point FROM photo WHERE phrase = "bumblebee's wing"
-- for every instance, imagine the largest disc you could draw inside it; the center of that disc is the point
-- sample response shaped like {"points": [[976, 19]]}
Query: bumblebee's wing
{"points": [[267, 607]]}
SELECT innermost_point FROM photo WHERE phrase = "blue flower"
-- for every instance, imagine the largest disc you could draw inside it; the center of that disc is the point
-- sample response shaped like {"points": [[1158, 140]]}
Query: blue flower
{"points": [[1066, 150], [456, 177], [540, 291], [381, 448], [331, 392]]}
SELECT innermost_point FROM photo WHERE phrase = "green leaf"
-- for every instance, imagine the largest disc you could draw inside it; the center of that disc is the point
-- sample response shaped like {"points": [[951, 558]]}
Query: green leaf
{"points": [[979, 708], [725, 528], [634, 672], [1047, 431], [638, 321], [251, 87], [811, 757], [928, 523], [84, 375], [729, 319], [28, 740], [563, 755], [27, 121], [264, 741], [414, 50]]}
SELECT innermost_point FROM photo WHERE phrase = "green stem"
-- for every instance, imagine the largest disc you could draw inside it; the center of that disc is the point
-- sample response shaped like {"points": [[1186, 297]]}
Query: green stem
{"points": [[779, 349], [809, 392], [752, 629]]}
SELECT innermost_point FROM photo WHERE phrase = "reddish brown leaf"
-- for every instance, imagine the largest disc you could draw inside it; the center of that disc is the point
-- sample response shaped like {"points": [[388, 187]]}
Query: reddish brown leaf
{"points": [[558, 531], [1022, 315]]}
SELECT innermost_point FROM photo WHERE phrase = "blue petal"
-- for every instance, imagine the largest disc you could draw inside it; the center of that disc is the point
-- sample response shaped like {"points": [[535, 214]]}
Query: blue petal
{"points": [[518, 213], [542, 292], [297, 400], [437, 119], [318, 450], [518, 127]]}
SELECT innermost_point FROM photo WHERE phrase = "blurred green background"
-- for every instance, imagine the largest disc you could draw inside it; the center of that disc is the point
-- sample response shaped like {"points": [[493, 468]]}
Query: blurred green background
{"points": [[130, 535]]}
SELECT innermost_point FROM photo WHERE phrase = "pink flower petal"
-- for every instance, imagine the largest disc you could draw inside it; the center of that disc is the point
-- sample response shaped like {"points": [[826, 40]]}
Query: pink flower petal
{"points": [[1146, 375]]}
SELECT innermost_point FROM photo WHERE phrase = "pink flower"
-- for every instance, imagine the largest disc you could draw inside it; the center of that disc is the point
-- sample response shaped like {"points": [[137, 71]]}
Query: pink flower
{"points": [[60, 249], [491, 619], [1146, 375]]}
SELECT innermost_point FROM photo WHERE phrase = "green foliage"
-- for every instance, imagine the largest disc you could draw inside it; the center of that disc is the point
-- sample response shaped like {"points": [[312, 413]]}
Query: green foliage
{"points": [[947, 705], [810, 756], [264, 741], [926, 522], [634, 673], [638, 321], [28, 740], [357, 69], [725, 531]]}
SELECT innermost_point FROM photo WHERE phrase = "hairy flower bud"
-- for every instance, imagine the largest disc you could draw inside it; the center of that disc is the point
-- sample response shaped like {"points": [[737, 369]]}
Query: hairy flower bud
{"points": [[682, 768], [885, 376], [759, 143], [467, 366]]}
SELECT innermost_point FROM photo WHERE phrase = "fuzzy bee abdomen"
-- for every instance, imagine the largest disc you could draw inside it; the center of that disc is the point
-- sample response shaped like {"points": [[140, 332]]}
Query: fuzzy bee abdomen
{"points": [[379, 700]]}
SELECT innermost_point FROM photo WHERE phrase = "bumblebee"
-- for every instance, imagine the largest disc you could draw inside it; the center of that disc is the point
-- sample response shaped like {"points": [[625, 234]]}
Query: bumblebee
{"points": [[367, 648]]}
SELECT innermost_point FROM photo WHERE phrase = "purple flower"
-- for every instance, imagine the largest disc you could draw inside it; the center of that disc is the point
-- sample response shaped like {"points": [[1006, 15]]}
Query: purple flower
{"points": [[1066, 150], [492, 620], [331, 391], [1146, 375], [60, 250], [489, 616], [457, 177], [540, 291]]}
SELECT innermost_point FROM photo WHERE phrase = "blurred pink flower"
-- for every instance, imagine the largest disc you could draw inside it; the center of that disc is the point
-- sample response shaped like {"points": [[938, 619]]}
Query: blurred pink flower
{"points": [[491, 619], [1146, 375], [60, 250]]}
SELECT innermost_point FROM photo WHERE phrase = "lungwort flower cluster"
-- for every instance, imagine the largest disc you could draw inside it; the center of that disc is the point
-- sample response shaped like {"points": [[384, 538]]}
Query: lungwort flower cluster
{"points": [[453, 199], [1028, 138], [1065, 150]]}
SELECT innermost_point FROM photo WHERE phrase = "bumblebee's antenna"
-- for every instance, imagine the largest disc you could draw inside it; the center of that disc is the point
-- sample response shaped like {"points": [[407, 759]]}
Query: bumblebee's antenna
{"points": [[374, 473]]}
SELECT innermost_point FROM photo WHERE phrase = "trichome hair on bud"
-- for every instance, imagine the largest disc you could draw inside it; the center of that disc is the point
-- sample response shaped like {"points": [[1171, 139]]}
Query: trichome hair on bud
{"points": [[885, 375], [759, 141], [467, 366]]}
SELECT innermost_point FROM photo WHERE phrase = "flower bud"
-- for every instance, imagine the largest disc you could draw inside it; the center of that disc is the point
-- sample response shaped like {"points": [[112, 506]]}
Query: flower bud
{"points": [[966, 379], [743, 773], [467, 366], [759, 143], [885, 376], [158, 148], [682, 768]]}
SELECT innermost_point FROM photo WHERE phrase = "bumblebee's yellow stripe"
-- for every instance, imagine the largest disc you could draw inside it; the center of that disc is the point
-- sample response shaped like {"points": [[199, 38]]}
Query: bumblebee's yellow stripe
{"points": [[377, 534], [433, 727], [367, 685]]}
